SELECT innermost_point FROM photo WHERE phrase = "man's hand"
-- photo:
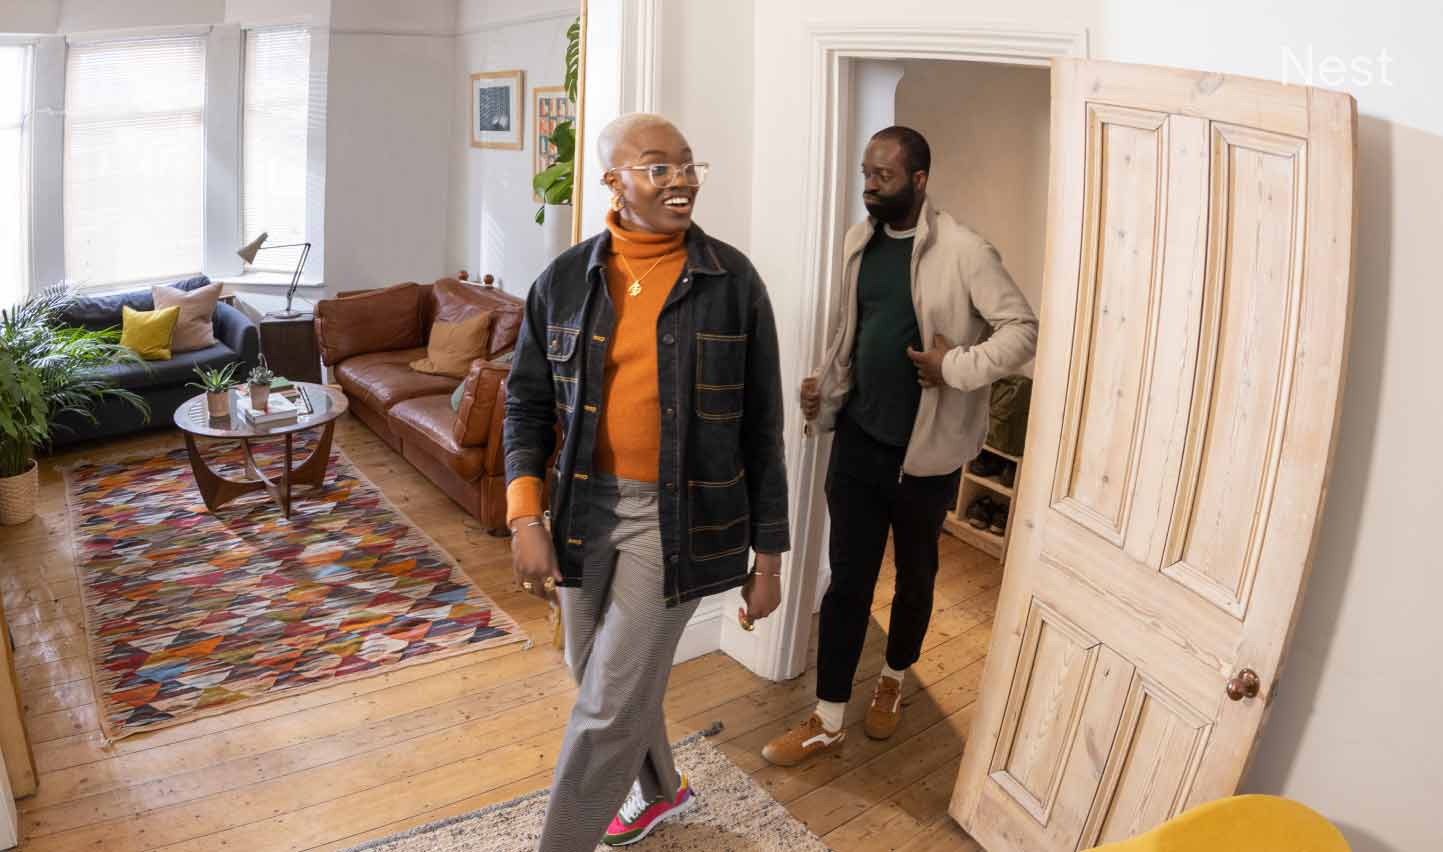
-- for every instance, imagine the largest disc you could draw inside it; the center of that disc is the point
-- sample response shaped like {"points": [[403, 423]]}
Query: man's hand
{"points": [[763, 591], [929, 363], [811, 399], [533, 559]]}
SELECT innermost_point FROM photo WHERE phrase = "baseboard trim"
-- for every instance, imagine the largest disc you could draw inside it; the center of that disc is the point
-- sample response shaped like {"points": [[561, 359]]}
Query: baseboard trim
{"points": [[703, 632]]}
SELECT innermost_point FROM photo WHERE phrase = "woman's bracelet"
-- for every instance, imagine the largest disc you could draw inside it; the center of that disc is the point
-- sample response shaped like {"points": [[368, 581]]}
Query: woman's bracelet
{"points": [[535, 523]]}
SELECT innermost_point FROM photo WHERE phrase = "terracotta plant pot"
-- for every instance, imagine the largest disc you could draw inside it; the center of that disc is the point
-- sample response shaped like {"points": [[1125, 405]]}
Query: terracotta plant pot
{"points": [[17, 496], [217, 404], [260, 397]]}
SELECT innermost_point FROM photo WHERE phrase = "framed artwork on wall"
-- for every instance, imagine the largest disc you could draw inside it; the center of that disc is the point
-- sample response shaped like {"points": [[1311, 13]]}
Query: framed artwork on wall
{"points": [[549, 107], [496, 110]]}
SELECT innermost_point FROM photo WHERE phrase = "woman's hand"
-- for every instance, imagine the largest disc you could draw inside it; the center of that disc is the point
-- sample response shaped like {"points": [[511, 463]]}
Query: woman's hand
{"points": [[533, 559], [763, 591]]}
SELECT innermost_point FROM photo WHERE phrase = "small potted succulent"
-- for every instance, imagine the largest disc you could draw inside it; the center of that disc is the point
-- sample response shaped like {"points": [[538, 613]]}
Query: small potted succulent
{"points": [[216, 382], [260, 381]]}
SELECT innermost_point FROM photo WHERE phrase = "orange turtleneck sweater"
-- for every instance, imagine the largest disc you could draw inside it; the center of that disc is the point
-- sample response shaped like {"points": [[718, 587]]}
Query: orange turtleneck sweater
{"points": [[628, 437]]}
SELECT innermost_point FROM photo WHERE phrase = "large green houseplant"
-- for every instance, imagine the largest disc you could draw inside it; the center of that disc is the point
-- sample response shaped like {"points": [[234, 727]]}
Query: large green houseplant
{"points": [[554, 184], [46, 369]]}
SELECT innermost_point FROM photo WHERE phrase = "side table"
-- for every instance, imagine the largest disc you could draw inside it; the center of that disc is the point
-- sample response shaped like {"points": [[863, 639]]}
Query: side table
{"points": [[289, 345]]}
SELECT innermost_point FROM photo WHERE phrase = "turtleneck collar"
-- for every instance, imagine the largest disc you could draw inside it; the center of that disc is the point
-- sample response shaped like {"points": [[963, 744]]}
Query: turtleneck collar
{"points": [[641, 245]]}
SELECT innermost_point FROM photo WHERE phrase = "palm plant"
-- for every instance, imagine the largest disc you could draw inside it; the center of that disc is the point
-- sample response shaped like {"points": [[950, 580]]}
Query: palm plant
{"points": [[46, 370]]}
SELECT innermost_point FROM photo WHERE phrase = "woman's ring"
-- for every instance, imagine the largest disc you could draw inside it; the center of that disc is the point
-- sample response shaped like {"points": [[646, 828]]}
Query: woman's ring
{"points": [[527, 585], [747, 624], [549, 584]]}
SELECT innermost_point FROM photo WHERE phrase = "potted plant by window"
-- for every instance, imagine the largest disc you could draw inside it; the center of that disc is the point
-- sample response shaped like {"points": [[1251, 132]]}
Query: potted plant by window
{"points": [[554, 184], [47, 369], [260, 381], [216, 382]]}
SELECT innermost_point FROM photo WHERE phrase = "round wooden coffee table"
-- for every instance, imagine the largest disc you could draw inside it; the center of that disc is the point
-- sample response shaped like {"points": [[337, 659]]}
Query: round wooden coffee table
{"points": [[194, 420]]}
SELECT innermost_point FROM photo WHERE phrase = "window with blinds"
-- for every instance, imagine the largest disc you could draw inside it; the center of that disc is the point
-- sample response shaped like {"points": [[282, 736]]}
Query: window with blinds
{"points": [[14, 193], [134, 159], [273, 145]]}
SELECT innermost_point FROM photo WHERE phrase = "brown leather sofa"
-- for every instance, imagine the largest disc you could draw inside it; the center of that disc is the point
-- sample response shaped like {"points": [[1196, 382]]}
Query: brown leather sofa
{"points": [[369, 338]]}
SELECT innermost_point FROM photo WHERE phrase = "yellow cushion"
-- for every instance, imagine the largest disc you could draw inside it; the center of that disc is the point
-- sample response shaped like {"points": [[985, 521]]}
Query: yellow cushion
{"points": [[1239, 824], [454, 345], [148, 333]]}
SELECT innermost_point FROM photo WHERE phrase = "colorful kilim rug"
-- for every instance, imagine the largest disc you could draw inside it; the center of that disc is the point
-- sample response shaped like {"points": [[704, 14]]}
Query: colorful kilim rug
{"points": [[191, 613]]}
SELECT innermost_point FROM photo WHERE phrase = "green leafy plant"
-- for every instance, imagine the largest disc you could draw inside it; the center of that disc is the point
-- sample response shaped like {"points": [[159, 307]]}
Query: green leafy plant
{"points": [[215, 379], [48, 369], [554, 184], [262, 374]]}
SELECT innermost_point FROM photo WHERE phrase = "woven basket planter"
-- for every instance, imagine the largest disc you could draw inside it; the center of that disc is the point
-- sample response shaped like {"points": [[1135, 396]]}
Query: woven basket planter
{"points": [[17, 496]]}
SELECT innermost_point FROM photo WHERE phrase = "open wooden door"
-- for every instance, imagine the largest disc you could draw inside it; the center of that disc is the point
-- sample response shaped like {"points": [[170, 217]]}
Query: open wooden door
{"points": [[1194, 331]]}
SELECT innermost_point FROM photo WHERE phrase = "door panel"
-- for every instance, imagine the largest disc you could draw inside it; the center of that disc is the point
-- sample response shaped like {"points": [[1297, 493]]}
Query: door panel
{"points": [[1194, 323]]}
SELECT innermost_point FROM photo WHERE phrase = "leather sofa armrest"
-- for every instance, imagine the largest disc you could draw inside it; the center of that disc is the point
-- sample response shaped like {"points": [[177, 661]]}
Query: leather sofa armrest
{"points": [[483, 405], [236, 330]]}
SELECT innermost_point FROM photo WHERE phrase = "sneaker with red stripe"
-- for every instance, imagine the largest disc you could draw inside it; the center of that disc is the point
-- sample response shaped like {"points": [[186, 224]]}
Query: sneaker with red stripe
{"points": [[638, 816]]}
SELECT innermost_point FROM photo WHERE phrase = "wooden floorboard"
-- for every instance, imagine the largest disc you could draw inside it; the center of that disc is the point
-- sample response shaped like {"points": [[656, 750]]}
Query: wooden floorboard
{"points": [[336, 767]]}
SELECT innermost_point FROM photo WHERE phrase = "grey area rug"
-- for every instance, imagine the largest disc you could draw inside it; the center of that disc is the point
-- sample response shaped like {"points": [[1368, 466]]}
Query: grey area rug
{"points": [[732, 814]]}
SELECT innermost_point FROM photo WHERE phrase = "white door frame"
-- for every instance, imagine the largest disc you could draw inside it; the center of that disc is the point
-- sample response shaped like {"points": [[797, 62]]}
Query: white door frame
{"points": [[778, 648]]}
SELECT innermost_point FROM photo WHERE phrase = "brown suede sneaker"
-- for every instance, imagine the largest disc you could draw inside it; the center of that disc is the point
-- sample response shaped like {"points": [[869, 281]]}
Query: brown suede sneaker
{"points": [[885, 711], [800, 743]]}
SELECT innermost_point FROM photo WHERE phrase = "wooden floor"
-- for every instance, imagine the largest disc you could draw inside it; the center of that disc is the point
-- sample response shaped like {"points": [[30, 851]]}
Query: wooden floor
{"points": [[332, 768]]}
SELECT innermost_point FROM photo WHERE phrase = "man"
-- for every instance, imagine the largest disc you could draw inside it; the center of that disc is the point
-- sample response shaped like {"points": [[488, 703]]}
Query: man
{"points": [[905, 420], [655, 346]]}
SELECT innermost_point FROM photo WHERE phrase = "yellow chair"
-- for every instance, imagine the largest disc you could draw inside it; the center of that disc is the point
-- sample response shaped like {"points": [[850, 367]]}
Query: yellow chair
{"points": [[1240, 824]]}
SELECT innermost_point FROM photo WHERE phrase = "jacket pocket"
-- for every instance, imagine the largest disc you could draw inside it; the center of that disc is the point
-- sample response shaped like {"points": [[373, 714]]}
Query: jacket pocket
{"points": [[721, 370], [560, 355], [720, 518]]}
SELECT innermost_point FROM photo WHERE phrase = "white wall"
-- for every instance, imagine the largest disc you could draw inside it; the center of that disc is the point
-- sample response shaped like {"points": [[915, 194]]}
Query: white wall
{"points": [[389, 125], [1354, 731], [30, 16], [706, 90], [491, 213], [988, 128], [78, 16]]}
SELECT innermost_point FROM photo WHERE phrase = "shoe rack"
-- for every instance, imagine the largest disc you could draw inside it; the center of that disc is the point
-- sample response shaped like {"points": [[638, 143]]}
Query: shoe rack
{"points": [[973, 487]]}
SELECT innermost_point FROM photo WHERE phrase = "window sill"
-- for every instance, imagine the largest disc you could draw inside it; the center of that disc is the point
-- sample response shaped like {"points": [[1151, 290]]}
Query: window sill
{"points": [[268, 279]]}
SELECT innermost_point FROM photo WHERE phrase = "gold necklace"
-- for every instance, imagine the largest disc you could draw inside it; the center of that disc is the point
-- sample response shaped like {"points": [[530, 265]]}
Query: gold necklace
{"points": [[635, 288]]}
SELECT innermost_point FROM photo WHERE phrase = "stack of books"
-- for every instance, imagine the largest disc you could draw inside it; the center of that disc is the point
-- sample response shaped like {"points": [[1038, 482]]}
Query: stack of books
{"points": [[279, 410]]}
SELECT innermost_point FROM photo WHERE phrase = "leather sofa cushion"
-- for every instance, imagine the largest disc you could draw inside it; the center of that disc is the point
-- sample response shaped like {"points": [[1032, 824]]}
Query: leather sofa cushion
{"points": [[379, 321], [382, 379], [480, 393], [426, 422], [457, 299]]}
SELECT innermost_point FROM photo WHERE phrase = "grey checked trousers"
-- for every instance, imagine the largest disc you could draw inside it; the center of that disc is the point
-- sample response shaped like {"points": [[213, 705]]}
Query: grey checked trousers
{"points": [[620, 641]]}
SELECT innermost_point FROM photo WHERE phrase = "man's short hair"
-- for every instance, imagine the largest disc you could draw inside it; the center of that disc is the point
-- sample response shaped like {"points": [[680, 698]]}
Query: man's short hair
{"points": [[914, 145]]}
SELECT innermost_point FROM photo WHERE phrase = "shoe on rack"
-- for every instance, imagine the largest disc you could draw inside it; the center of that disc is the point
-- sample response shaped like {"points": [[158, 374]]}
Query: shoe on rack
{"points": [[806, 740], [638, 817], [979, 513], [1008, 476], [997, 521], [985, 465]]}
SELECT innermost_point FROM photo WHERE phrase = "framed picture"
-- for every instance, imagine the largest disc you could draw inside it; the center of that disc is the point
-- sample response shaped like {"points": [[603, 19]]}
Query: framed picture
{"points": [[496, 115], [549, 107]]}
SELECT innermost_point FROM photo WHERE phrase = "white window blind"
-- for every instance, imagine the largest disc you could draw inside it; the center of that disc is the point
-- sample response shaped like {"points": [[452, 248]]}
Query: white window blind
{"points": [[14, 190], [273, 147], [134, 159]]}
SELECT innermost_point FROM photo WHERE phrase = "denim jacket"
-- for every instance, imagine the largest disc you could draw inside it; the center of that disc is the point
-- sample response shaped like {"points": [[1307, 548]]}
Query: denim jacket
{"points": [[722, 475]]}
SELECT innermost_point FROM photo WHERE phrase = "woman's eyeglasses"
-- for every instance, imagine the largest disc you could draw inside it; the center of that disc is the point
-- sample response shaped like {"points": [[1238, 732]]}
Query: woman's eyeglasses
{"points": [[663, 175]]}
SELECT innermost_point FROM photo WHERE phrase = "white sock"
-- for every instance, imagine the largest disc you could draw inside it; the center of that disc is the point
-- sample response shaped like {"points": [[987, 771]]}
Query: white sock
{"points": [[898, 676], [832, 714]]}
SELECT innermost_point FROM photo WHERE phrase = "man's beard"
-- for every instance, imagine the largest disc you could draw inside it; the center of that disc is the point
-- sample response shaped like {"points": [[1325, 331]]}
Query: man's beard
{"points": [[891, 209]]}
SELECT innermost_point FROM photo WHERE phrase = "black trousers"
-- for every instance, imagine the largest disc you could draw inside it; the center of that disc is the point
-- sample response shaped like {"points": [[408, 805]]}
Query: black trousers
{"points": [[867, 496]]}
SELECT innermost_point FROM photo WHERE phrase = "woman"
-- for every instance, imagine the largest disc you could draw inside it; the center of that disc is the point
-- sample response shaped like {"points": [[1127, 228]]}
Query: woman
{"points": [[655, 346]]}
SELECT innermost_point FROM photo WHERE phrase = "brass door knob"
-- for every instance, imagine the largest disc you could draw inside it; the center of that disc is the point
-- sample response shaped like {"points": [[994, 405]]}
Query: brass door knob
{"points": [[1244, 684]]}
